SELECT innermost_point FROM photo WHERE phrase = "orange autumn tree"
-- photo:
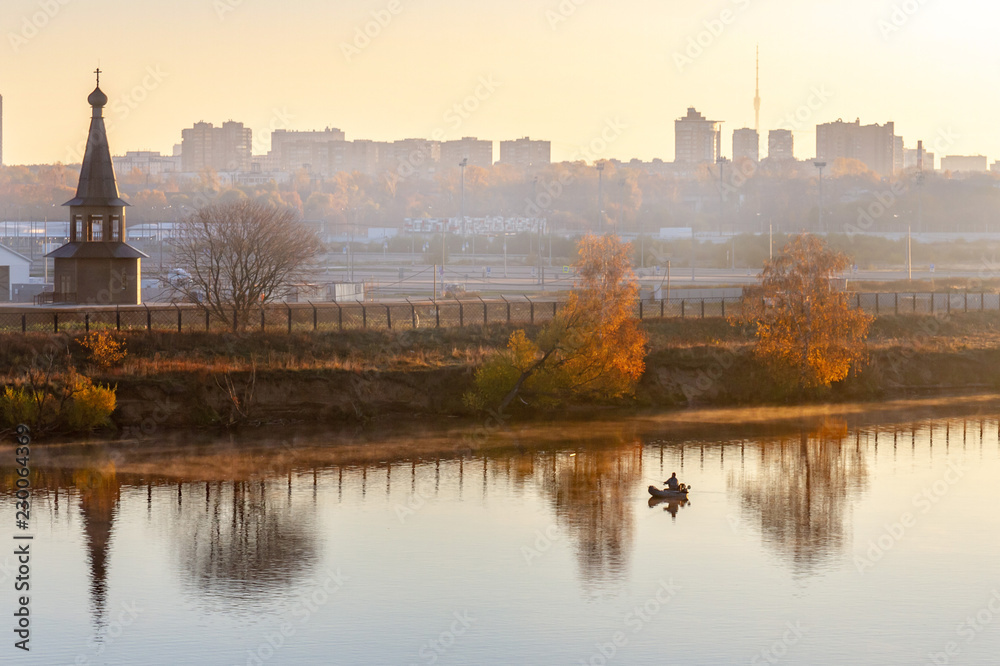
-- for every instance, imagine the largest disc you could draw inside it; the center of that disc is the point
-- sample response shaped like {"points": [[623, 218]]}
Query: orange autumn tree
{"points": [[802, 323], [594, 347]]}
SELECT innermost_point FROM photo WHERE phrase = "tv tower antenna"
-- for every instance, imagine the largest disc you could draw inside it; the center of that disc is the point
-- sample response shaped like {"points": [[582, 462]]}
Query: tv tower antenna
{"points": [[756, 97]]}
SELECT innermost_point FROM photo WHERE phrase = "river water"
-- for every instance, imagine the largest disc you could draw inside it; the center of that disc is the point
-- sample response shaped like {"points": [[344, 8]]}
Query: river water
{"points": [[830, 537]]}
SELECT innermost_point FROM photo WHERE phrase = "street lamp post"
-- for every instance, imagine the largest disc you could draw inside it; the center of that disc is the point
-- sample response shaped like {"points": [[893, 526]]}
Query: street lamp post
{"points": [[820, 166], [722, 192]]}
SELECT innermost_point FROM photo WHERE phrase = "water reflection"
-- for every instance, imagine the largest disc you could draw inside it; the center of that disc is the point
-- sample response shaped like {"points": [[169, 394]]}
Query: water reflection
{"points": [[242, 538], [591, 492], [671, 506], [99, 494], [799, 493]]}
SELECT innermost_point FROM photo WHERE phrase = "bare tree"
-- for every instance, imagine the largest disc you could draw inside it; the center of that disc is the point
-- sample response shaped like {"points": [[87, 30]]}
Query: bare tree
{"points": [[235, 257]]}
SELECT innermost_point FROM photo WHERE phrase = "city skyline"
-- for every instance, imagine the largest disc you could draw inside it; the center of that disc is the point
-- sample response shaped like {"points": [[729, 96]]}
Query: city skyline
{"points": [[565, 80]]}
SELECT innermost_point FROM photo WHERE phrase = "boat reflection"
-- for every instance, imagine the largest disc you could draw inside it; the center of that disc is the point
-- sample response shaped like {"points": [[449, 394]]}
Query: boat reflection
{"points": [[671, 506]]}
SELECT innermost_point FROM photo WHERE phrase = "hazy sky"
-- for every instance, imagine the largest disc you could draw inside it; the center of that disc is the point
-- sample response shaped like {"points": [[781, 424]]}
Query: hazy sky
{"points": [[564, 70]]}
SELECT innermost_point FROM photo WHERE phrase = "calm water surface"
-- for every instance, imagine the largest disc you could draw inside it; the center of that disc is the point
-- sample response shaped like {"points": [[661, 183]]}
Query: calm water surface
{"points": [[829, 541]]}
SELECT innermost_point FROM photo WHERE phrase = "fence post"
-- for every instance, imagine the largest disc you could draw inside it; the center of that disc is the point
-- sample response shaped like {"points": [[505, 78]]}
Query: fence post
{"points": [[364, 316], [179, 320], [340, 317], [289, 307], [640, 309], [682, 308], [508, 307], [86, 322], [857, 297], [914, 301], [532, 309], [24, 323], [555, 304], [437, 315], [486, 321], [703, 308], [461, 314], [723, 307], [876, 303], [315, 315], [149, 318], [413, 314], [661, 308], [388, 317], [55, 321], [896, 303], [263, 319], [118, 317]]}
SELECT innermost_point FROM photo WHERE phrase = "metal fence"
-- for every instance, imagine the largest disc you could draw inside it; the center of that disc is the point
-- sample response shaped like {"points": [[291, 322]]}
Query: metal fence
{"points": [[292, 317]]}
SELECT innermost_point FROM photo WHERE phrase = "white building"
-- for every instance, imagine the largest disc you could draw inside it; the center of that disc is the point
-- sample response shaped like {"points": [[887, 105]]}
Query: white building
{"points": [[14, 270]]}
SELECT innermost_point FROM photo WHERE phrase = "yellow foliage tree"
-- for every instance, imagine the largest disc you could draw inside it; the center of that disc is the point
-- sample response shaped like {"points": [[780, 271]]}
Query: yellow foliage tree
{"points": [[802, 322], [594, 347]]}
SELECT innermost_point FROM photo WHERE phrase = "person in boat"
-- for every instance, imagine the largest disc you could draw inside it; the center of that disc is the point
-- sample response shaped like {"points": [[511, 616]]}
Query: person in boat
{"points": [[672, 482]]}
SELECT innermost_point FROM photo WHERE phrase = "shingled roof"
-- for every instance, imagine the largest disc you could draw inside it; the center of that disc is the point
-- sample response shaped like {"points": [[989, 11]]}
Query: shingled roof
{"points": [[97, 174]]}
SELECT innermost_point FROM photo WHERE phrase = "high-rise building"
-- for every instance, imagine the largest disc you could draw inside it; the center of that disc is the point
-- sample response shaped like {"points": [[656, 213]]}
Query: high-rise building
{"points": [[780, 145], [964, 163], [478, 152], [409, 157], [525, 153], [293, 150], [225, 148], [873, 145], [746, 144], [897, 154], [1, 130], [97, 265], [697, 139]]}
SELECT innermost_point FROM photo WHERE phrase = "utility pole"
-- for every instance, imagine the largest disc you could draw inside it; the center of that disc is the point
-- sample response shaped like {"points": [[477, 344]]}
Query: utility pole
{"points": [[722, 193], [909, 256], [600, 196], [920, 186]]}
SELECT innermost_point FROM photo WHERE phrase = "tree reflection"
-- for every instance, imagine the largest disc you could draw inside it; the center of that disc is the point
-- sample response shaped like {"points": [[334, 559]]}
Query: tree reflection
{"points": [[799, 492], [242, 537], [590, 492]]}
